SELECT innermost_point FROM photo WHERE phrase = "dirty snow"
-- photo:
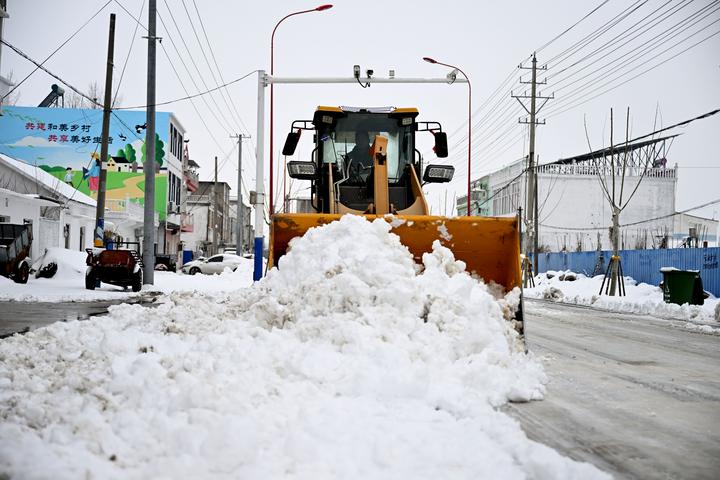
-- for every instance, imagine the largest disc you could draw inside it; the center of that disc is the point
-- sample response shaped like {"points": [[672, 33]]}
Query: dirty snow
{"points": [[68, 284], [641, 299], [346, 362]]}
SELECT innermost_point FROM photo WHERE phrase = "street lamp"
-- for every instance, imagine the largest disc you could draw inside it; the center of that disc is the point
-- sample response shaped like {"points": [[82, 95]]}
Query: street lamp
{"points": [[272, 72], [432, 60]]}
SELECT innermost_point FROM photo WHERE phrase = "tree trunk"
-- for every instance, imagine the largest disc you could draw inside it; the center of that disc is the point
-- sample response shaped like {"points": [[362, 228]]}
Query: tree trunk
{"points": [[615, 258]]}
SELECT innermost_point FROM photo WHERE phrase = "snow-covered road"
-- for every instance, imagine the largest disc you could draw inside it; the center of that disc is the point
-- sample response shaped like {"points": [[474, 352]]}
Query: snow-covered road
{"points": [[635, 396]]}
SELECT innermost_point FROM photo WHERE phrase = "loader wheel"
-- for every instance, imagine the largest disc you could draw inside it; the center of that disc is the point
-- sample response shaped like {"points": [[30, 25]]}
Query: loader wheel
{"points": [[90, 280], [23, 273], [194, 270], [137, 281]]}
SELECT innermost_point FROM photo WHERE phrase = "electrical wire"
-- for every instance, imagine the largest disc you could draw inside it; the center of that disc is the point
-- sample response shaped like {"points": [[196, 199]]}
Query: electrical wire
{"points": [[188, 97], [44, 69], [127, 58], [662, 217], [39, 65], [212, 54]]}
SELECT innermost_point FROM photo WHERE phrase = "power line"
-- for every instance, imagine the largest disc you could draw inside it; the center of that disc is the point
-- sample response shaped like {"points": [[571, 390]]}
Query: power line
{"points": [[636, 54], [39, 65], [207, 61], [555, 113], [626, 33], [56, 77], [662, 217], [189, 97], [572, 26], [224, 123], [127, 58], [227, 91]]}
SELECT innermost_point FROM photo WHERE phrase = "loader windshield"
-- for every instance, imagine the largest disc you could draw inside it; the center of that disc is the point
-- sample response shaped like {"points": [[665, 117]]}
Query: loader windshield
{"points": [[348, 142]]}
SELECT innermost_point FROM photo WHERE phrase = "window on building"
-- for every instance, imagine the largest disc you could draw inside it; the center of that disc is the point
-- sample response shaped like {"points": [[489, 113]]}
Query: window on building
{"points": [[82, 238]]}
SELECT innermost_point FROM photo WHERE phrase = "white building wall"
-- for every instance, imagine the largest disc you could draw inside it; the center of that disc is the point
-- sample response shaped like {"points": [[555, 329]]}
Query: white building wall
{"points": [[196, 239], [577, 201], [19, 209]]}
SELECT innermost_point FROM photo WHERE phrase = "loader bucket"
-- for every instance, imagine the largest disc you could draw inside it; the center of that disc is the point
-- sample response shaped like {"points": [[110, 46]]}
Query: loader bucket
{"points": [[490, 246]]}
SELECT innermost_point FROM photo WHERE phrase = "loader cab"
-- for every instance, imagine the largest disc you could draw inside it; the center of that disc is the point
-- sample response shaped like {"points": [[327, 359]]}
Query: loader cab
{"points": [[343, 180]]}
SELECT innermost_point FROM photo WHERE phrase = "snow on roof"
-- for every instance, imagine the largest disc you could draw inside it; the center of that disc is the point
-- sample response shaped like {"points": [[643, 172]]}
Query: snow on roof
{"points": [[39, 199], [48, 181]]}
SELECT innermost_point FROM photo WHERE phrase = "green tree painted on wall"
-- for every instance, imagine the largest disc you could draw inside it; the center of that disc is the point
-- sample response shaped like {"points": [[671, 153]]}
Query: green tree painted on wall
{"points": [[159, 152], [128, 153]]}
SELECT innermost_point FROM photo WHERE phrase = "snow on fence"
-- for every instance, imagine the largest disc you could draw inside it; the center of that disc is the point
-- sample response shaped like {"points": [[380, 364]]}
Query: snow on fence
{"points": [[642, 265]]}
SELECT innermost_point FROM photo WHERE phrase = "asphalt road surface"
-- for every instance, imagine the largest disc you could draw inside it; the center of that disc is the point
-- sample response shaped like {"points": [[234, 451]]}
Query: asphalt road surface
{"points": [[636, 396], [20, 317]]}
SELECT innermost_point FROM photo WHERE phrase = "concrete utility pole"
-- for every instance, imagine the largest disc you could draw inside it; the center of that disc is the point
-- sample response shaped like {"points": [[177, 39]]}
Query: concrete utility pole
{"points": [[99, 235], [532, 196], [214, 208], [149, 165], [240, 223], [4, 83]]}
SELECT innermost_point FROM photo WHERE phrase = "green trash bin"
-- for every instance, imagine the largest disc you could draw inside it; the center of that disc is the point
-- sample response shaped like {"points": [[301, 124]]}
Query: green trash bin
{"points": [[682, 286]]}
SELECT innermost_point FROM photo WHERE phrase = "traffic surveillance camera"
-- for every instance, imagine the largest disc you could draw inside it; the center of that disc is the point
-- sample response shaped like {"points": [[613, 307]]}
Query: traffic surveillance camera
{"points": [[356, 71], [369, 73]]}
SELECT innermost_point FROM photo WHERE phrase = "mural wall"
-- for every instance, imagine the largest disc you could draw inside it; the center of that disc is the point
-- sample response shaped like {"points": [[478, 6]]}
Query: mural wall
{"points": [[66, 143]]}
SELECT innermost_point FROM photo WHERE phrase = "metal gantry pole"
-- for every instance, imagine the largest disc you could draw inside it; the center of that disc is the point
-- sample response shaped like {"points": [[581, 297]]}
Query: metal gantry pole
{"points": [[263, 81], [149, 165], [259, 180], [99, 234]]}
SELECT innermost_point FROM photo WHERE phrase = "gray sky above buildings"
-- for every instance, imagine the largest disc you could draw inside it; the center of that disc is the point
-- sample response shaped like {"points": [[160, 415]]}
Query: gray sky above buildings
{"points": [[486, 39]]}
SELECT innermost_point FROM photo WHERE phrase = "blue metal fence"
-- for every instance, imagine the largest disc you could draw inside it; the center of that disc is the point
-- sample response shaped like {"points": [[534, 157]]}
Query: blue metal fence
{"points": [[642, 265]]}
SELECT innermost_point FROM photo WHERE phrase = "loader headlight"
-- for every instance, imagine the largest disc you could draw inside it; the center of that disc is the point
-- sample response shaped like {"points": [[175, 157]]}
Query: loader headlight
{"points": [[438, 173], [302, 170]]}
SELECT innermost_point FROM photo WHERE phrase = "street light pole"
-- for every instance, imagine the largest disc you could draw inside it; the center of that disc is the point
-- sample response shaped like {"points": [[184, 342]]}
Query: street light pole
{"points": [[432, 60], [272, 102]]}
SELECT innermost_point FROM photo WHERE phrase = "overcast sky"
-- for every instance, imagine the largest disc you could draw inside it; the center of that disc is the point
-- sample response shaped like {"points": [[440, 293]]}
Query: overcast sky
{"points": [[486, 39]]}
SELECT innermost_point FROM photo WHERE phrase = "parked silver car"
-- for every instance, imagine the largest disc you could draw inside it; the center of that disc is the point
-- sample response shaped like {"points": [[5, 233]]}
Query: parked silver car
{"points": [[214, 264]]}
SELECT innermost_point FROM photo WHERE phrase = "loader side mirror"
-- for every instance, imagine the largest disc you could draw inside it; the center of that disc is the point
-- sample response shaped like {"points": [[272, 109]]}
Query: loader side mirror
{"points": [[291, 143], [438, 173], [441, 149]]}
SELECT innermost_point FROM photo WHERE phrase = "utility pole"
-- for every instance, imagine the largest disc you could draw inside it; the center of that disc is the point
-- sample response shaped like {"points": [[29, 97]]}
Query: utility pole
{"points": [[4, 84], [149, 165], [240, 223], [215, 207], [99, 235], [532, 197]]}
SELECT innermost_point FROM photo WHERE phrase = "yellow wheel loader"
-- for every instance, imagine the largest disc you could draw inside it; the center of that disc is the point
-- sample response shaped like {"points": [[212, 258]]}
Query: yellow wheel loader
{"points": [[365, 163]]}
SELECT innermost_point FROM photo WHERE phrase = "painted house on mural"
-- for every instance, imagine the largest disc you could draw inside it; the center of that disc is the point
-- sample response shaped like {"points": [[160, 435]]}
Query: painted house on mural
{"points": [[65, 142], [60, 215]]}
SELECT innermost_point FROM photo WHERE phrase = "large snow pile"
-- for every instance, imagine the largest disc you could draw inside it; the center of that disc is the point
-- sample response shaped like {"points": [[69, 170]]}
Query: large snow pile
{"points": [[346, 362], [640, 298]]}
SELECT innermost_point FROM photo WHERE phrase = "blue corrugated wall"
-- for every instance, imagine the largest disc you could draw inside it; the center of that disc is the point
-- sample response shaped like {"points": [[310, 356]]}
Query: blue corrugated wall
{"points": [[642, 265]]}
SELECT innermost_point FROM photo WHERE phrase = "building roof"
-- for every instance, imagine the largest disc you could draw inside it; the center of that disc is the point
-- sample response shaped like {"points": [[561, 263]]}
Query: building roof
{"points": [[604, 152], [37, 199], [54, 184]]}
